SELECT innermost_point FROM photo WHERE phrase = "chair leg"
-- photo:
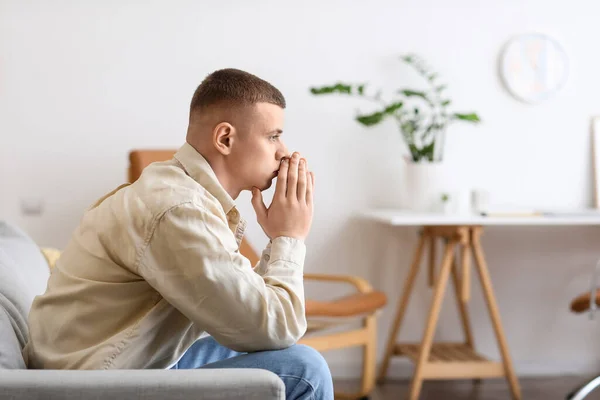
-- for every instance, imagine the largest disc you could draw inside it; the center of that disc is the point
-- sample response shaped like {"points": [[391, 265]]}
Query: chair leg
{"points": [[581, 392], [369, 362], [369, 355]]}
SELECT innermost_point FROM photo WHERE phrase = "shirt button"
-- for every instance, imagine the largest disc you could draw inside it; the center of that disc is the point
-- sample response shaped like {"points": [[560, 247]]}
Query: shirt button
{"points": [[267, 257]]}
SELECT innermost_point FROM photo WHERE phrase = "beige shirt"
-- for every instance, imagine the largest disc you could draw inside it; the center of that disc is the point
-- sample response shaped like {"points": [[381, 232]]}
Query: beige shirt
{"points": [[155, 265]]}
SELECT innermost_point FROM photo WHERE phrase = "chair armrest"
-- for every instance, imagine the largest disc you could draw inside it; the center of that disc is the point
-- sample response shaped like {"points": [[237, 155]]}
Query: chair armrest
{"points": [[205, 384], [359, 283]]}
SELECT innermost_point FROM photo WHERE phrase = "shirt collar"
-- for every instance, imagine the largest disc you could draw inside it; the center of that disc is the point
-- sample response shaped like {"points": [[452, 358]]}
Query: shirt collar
{"points": [[200, 170]]}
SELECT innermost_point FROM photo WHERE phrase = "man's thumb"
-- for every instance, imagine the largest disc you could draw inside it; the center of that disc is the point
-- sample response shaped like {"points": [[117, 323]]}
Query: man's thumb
{"points": [[258, 204]]}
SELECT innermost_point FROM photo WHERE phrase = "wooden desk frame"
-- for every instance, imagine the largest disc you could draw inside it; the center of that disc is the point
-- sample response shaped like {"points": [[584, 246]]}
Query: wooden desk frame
{"points": [[450, 360]]}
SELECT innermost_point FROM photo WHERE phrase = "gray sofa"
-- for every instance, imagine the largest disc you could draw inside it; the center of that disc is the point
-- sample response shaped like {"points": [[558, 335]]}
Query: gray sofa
{"points": [[23, 275]]}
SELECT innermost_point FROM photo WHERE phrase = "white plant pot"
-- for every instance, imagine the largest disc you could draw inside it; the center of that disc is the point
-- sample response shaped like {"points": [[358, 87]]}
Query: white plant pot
{"points": [[447, 207], [423, 186]]}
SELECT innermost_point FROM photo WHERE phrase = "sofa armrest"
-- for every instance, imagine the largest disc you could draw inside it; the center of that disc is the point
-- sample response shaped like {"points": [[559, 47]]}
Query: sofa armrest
{"points": [[205, 384]]}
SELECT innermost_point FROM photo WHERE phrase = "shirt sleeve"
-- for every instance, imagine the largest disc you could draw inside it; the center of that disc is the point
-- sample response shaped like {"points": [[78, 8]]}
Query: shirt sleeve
{"points": [[262, 264], [191, 259]]}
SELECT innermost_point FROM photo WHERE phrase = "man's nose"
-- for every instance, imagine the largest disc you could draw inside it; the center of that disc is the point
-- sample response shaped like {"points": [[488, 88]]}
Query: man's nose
{"points": [[283, 152]]}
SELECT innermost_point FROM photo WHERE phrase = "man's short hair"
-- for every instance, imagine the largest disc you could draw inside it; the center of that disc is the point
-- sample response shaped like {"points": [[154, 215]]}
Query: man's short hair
{"points": [[233, 88]]}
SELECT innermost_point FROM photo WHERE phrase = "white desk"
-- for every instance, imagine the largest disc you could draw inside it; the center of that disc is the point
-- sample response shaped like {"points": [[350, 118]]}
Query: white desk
{"points": [[461, 235], [407, 218]]}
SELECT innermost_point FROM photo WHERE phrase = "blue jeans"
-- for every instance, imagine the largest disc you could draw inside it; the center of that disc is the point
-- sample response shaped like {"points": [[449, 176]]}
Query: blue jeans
{"points": [[302, 369]]}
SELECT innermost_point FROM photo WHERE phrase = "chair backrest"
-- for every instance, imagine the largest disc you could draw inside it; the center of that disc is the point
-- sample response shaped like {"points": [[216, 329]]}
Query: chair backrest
{"points": [[140, 159]]}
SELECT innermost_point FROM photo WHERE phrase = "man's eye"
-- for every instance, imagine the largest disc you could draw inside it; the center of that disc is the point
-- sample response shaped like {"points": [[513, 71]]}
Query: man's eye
{"points": [[274, 137]]}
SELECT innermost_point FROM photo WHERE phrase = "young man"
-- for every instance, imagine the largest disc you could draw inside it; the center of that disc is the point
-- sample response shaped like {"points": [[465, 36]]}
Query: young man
{"points": [[154, 266]]}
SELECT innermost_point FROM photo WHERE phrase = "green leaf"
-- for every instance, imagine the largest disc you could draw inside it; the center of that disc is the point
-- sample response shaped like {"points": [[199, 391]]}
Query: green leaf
{"points": [[414, 152], [371, 119], [472, 117], [415, 93], [392, 108], [377, 117], [445, 103], [408, 58], [440, 88], [337, 88], [427, 151], [410, 93], [361, 89], [432, 77]]}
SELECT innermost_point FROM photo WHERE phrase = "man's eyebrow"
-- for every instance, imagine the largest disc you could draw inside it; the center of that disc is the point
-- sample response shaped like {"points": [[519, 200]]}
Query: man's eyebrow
{"points": [[279, 131]]}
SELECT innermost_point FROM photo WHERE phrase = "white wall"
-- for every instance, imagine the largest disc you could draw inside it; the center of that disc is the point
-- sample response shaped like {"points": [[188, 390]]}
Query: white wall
{"points": [[83, 82]]}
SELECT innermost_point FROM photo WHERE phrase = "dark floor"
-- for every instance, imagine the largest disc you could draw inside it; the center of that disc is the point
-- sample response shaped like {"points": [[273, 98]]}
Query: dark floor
{"points": [[546, 388]]}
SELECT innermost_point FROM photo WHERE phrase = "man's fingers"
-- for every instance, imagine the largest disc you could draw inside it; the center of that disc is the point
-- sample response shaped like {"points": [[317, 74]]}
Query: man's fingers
{"points": [[259, 205], [282, 175], [292, 180], [309, 187], [302, 181]]}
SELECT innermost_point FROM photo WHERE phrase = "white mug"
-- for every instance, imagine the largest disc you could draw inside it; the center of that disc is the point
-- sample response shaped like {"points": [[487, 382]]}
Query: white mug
{"points": [[463, 202], [480, 200]]}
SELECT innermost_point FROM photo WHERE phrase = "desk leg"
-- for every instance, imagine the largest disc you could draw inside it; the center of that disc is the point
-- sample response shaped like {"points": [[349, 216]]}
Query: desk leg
{"points": [[436, 304], [486, 282], [432, 260], [461, 303], [402, 305], [462, 307]]}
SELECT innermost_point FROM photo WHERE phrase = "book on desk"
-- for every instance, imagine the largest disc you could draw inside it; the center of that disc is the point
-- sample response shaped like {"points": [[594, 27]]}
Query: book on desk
{"points": [[512, 213]]}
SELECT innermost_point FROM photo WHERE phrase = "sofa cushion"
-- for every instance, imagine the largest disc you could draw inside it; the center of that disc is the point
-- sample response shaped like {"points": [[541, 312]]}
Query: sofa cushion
{"points": [[10, 349], [23, 275]]}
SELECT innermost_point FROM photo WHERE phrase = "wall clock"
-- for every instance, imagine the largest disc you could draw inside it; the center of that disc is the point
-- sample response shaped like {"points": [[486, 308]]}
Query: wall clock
{"points": [[533, 67]]}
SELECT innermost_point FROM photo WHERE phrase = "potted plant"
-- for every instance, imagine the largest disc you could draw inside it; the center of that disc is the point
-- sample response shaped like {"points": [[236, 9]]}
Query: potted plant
{"points": [[422, 116]]}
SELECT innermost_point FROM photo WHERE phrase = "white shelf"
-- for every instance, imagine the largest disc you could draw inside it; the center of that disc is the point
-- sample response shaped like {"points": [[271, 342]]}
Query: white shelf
{"points": [[408, 218]]}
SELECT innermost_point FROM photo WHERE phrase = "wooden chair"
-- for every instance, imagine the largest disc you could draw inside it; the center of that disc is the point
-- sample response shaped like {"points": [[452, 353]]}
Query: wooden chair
{"points": [[587, 301], [362, 305]]}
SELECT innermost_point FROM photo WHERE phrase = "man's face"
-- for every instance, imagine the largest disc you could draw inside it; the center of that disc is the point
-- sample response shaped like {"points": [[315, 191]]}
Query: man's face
{"points": [[259, 148]]}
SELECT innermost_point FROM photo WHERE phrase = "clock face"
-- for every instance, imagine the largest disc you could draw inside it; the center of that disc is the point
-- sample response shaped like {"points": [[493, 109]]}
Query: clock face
{"points": [[533, 67]]}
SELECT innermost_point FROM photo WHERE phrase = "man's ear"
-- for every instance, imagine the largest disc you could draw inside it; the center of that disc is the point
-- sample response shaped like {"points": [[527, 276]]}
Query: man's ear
{"points": [[223, 137]]}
